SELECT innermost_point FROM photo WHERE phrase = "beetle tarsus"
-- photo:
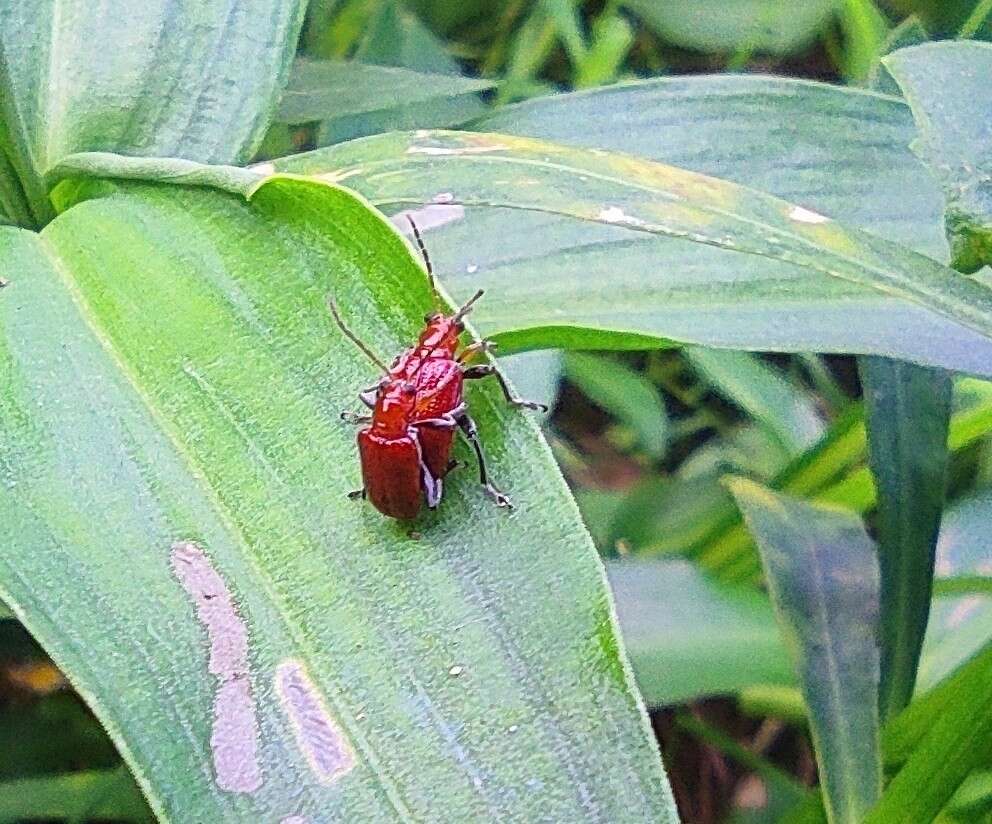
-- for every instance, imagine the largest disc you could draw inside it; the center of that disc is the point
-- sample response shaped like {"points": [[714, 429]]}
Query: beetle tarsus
{"points": [[357, 495], [354, 418], [484, 370], [471, 432]]}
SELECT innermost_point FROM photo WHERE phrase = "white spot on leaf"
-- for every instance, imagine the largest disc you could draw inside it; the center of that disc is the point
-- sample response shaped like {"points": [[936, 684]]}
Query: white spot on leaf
{"points": [[614, 214], [802, 215]]}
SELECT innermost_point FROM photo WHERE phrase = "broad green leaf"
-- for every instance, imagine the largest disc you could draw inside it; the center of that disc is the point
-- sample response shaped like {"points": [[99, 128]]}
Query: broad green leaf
{"points": [[787, 412], [627, 395], [261, 647], [74, 797], [823, 578], [324, 89], [504, 245], [636, 196], [946, 85], [775, 26], [153, 78], [945, 738], [908, 411], [689, 637]]}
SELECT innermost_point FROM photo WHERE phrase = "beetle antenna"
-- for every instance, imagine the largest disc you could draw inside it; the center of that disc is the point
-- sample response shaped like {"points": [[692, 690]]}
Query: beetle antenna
{"points": [[466, 307], [352, 336], [423, 253]]}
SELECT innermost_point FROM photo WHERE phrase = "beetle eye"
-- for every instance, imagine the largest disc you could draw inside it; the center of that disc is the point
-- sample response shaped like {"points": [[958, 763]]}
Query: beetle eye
{"points": [[430, 317]]}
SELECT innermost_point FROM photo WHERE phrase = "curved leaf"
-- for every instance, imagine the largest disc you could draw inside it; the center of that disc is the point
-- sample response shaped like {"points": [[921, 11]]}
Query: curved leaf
{"points": [[822, 574], [775, 26], [152, 78], [176, 532], [638, 196], [947, 87]]}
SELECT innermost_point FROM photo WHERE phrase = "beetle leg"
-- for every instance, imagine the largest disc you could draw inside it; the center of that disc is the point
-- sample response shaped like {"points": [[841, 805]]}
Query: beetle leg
{"points": [[447, 420], [479, 347], [471, 432], [485, 369], [355, 418], [433, 487], [357, 494]]}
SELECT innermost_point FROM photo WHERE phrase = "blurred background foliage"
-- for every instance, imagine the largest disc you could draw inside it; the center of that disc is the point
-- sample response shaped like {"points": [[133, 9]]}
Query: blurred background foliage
{"points": [[644, 439]]}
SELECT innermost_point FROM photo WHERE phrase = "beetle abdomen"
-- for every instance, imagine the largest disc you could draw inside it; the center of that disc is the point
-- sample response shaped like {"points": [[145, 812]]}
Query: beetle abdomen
{"points": [[391, 473]]}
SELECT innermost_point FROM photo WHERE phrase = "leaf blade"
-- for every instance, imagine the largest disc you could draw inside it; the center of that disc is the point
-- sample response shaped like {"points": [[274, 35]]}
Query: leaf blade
{"points": [[823, 578], [908, 411], [219, 413]]}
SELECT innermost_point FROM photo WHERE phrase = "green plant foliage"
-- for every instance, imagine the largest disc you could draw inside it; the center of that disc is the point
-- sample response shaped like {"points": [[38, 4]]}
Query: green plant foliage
{"points": [[946, 85], [688, 636], [324, 89], [626, 394], [787, 412], [640, 197], [823, 578], [775, 26], [908, 414], [108, 795], [960, 623], [262, 647], [942, 740], [73, 80]]}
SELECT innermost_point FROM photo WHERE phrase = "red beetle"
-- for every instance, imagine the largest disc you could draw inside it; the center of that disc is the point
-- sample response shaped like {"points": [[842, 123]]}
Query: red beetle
{"points": [[416, 407]]}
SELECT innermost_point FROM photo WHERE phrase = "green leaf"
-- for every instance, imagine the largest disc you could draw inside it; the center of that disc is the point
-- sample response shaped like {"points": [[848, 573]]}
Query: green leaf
{"points": [[632, 196], [395, 37], [947, 736], [774, 26], [689, 637], [75, 797], [960, 624], [908, 413], [910, 32], [823, 578], [323, 89], [946, 85], [865, 31], [261, 647], [78, 77], [979, 22], [627, 395], [787, 412]]}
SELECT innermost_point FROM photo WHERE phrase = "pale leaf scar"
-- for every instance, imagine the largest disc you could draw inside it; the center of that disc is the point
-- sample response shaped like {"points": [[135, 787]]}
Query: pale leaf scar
{"points": [[806, 216], [317, 736], [234, 736]]}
